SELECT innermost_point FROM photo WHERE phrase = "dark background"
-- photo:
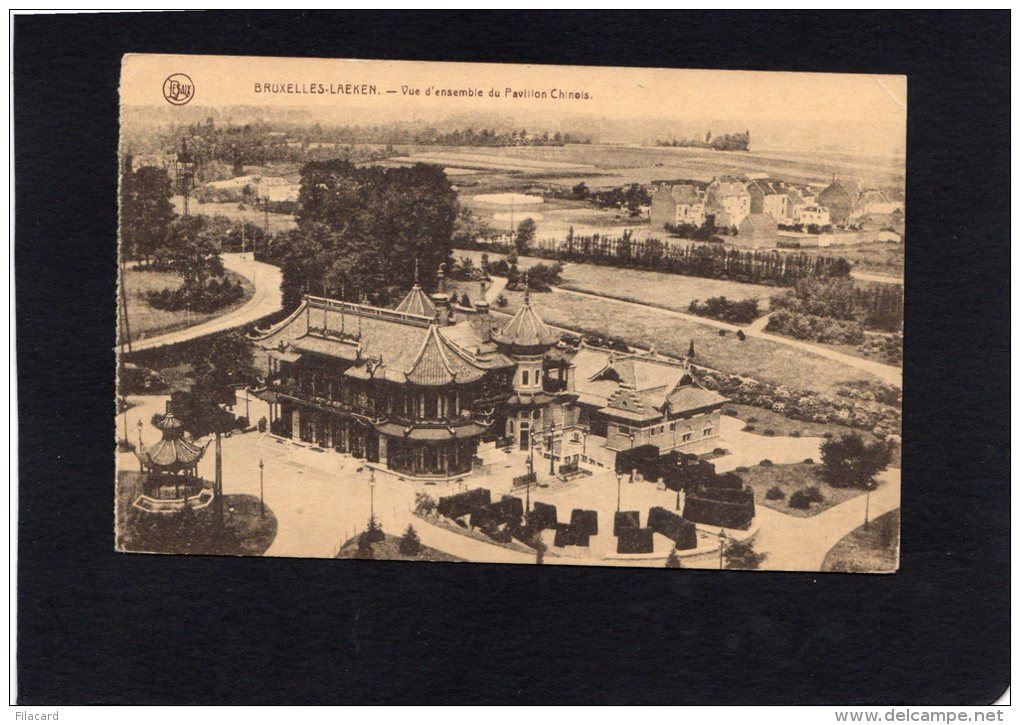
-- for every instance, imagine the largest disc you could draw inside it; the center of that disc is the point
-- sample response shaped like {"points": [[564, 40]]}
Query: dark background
{"points": [[99, 627]]}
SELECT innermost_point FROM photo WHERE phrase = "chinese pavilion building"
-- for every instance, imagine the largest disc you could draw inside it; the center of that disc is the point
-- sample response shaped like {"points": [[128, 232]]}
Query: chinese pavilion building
{"points": [[417, 388]]}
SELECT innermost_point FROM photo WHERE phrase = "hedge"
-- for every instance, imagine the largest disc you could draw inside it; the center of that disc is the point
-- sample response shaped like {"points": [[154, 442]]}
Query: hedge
{"points": [[565, 535], [463, 503], [703, 507], [665, 522], [585, 521], [543, 516], [513, 507], [635, 541], [626, 520]]}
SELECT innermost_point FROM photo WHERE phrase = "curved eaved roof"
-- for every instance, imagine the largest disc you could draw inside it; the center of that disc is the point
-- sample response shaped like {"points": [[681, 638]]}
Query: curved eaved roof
{"points": [[526, 329], [439, 363]]}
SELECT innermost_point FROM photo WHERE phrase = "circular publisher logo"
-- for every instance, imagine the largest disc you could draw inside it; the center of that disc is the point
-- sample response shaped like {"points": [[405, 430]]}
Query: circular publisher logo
{"points": [[178, 89]]}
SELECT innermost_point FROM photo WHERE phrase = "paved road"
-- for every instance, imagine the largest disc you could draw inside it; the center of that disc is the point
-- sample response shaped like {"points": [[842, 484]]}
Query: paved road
{"points": [[886, 373], [266, 300]]}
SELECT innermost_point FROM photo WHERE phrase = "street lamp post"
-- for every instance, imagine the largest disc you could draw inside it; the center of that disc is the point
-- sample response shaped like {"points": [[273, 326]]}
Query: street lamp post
{"points": [[867, 505], [262, 499], [371, 494], [631, 479], [141, 446], [551, 469], [619, 480], [722, 546]]}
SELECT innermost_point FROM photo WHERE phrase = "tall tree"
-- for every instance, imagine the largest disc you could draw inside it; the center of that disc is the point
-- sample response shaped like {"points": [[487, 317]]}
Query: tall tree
{"points": [[145, 210], [525, 235]]}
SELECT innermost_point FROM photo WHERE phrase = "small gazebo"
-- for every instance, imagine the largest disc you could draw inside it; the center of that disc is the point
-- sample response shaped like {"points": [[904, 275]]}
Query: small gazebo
{"points": [[170, 470]]}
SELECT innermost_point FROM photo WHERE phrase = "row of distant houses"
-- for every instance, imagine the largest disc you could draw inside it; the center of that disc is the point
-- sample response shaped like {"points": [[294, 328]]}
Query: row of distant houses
{"points": [[274, 188], [730, 200]]}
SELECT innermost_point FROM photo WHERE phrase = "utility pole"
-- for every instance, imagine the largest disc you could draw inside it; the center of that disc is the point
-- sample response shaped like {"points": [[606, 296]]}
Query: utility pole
{"points": [[722, 547], [619, 480]]}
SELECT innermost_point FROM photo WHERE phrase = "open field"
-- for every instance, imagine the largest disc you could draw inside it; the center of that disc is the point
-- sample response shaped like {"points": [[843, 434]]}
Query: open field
{"points": [[790, 478], [880, 257], [277, 222], [601, 165], [662, 289], [868, 548], [147, 321], [760, 359]]}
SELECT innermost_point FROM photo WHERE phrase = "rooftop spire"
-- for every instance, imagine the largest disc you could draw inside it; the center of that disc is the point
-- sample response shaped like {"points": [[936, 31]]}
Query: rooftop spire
{"points": [[527, 293], [415, 271]]}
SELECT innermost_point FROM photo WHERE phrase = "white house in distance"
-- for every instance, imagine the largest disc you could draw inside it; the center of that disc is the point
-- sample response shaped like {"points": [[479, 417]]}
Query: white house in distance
{"points": [[728, 201], [677, 204], [813, 214]]}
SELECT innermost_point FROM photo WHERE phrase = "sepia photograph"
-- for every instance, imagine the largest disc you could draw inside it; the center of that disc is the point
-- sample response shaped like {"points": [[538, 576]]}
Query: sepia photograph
{"points": [[512, 314]]}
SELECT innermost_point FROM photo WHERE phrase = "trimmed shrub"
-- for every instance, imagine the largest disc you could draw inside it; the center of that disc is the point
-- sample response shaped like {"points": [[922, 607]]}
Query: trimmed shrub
{"points": [[513, 507], [585, 521], [809, 460], [635, 541], [626, 520], [665, 522], [814, 494], [800, 500], [765, 463], [775, 493], [749, 427], [374, 532], [543, 516], [741, 469], [565, 535], [410, 544], [464, 503], [795, 433], [769, 432]]}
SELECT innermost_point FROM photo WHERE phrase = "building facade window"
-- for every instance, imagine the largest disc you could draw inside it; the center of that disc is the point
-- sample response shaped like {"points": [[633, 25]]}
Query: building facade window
{"points": [[707, 432], [524, 377], [686, 437]]}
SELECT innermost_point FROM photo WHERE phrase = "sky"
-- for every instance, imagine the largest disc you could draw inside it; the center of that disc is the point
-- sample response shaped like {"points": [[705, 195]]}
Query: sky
{"points": [[859, 113]]}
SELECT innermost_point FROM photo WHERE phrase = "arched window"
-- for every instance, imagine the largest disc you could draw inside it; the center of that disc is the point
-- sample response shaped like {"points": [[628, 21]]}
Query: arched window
{"points": [[511, 421], [524, 377]]}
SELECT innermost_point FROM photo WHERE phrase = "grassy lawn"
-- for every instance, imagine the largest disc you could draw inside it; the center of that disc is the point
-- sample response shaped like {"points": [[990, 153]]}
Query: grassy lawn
{"points": [[880, 257], [389, 550], [147, 321], [246, 532], [871, 548], [790, 478], [759, 359]]}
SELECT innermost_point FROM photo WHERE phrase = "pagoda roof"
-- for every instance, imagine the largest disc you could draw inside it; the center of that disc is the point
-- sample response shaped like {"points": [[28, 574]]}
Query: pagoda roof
{"points": [[431, 432], [526, 329], [417, 303], [172, 454], [437, 362]]}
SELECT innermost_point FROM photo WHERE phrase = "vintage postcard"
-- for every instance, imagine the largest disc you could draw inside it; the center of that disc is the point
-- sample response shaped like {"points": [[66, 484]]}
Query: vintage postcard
{"points": [[510, 313]]}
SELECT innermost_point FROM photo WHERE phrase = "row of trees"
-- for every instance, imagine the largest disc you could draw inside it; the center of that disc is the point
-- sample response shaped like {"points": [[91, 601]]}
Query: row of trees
{"points": [[630, 197], [726, 142], [712, 261]]}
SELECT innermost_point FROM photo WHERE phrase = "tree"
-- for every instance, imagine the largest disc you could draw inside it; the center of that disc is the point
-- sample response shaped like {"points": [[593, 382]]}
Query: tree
{"points": [[539, 549], [850, 462], [365, 547], [145, 210], [410, 544], [360, 230], [424, 504], [673, 560], [374, 532], [465, 301], [525, 235], [192, 251], [741, 555], [690, 350]]}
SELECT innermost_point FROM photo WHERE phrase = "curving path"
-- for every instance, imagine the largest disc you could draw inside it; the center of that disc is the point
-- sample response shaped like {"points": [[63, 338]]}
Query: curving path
{"points": [[888, 374], [266, 300]]}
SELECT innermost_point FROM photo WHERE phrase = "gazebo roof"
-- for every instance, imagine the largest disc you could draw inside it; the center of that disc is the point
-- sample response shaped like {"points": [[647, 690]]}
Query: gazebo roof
{"points": [[172, 454]]}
